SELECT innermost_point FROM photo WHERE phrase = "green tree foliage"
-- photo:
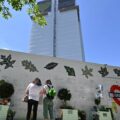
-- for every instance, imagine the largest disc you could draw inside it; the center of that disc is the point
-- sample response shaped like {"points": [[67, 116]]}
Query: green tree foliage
{"points": [[17, 5], [97, 101], [6, 89], [65, 95]]}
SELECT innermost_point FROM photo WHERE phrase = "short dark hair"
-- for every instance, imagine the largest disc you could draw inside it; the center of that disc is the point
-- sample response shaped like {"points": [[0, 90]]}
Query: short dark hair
{"points": [[48, 82]]}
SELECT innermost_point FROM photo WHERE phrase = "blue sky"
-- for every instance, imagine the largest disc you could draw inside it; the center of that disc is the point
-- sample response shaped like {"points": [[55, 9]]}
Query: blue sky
{"points": [[100, 21]]}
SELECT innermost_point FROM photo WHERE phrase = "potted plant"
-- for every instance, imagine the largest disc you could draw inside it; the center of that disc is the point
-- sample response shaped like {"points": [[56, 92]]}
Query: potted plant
{"points": [[97, 102], [95, 109], [65, 95], [10, 114], [67, 111], [6, 91], [81, 115]]}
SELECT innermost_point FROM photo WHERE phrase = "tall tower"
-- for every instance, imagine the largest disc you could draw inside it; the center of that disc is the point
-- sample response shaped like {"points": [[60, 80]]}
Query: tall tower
{"points": [[62, 36]]}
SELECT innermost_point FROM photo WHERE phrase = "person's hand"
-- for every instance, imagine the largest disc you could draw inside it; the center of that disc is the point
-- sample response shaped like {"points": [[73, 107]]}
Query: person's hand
{"points": [[42, 91]]}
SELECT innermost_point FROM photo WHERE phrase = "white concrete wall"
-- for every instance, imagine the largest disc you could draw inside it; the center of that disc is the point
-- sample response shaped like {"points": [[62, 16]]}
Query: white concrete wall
{"points": [[82, 88]]}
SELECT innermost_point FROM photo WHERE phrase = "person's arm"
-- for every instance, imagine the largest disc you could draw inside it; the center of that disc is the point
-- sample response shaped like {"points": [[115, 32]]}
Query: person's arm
{"points": [[42, 91], [27, 90]]}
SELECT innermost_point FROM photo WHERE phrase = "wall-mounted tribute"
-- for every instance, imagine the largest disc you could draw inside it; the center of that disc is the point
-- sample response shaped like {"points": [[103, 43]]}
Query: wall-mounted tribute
{"points": [[28, 65], [7, 61], [51, 65], [115, 93], [70, 71], [87, 71], [117, 71], [45, 6], [104, 72], [65, 3]]}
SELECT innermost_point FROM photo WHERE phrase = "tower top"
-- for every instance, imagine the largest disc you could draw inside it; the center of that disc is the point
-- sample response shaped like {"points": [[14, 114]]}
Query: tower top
{"points": [[46, 5]]}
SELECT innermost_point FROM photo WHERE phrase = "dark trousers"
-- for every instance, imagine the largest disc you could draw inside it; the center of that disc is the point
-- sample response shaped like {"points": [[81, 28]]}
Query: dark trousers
{"points": [[32, 104]]}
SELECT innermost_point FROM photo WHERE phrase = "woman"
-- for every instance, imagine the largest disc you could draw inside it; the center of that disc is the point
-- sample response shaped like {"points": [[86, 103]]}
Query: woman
{"points": [[33, 92], [47, 102]]}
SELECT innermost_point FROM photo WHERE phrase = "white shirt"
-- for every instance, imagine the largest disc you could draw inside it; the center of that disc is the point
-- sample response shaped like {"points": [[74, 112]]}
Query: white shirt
{"points": [[34, 91], [46, 89]]}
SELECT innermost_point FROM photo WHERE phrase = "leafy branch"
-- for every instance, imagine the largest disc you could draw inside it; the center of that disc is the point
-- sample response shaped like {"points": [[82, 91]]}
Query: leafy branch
{"points": [[33, 9]]}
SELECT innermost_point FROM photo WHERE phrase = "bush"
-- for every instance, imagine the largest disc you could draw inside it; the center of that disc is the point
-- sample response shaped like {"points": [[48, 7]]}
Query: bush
{"points": [[82, 115], [6, 89], [97, 101], [64, 94], [10, 114]]}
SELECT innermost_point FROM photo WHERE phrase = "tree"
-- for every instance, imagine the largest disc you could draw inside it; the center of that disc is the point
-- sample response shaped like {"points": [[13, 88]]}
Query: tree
{"points": [[17, 5], [97, 101], [6, 89], [65, 95]]}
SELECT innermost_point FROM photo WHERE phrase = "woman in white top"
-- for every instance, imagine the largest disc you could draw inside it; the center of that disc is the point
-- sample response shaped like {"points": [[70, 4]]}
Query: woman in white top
{"points": [[33, 92]]}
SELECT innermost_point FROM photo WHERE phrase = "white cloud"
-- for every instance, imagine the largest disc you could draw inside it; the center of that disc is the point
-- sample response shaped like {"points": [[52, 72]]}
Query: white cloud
{"points": [[4, 45], [6, 48]]}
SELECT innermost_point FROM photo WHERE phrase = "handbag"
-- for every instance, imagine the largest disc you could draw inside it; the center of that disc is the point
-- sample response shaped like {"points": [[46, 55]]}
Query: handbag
{"points": [[25, 98]]}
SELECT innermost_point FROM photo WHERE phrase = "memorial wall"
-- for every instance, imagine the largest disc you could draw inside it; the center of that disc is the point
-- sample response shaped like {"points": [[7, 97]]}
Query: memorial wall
{"points": [[81, 78]]}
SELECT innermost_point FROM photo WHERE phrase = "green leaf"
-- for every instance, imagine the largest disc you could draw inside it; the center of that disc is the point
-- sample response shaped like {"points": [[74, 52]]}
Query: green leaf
{"points": [[17, 5]]}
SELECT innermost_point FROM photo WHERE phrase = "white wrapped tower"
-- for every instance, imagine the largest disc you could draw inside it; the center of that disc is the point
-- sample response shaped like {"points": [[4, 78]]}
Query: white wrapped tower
{"points": [[62, 36]]}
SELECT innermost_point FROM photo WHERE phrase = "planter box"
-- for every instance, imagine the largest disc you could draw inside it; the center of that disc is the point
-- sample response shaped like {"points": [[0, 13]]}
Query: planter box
{"points": [[69, 114], [104, 115], [3, 111]]}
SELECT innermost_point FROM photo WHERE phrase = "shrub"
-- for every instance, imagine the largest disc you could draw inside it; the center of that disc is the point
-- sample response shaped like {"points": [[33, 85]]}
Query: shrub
{"points": [[64, 94], [82, 114], [10, 114], [97, 101], [6, 89]]}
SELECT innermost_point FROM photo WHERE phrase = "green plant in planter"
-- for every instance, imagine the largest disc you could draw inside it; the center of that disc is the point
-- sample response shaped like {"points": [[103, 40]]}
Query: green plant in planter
{"points": [[6, 89], [97, 101], [10, 114], [65, 95], [82, 115]]}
